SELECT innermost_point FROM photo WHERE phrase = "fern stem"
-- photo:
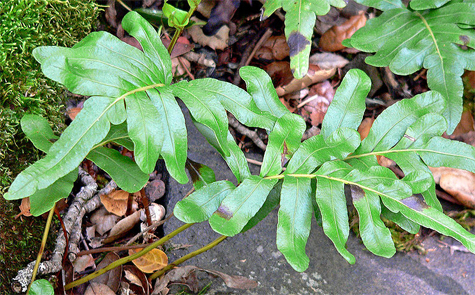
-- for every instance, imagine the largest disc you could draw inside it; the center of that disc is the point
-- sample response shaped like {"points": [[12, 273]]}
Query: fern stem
{"points": [[188, 256], [127, 258], [179, 29], [42, 247]]}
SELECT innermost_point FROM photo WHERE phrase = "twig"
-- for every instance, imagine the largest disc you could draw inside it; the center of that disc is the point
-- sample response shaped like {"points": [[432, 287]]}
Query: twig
{"points": [[261, 41], [127, 258], [149, 228], [255, 162], [244, 58], [186, 257], [245, 131], [311, 98], [180, 60], [20, 282]]}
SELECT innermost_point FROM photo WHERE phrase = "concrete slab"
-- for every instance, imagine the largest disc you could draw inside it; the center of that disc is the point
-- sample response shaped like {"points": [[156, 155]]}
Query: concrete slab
{"points": [[255, 255]]}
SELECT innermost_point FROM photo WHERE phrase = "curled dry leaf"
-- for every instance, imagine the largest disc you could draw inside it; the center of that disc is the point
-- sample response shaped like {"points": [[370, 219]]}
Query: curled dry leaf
{"points": [[138, 279], [83, 262], [179, 67], [103, 220], [314, 75], [157, 212], [152, 261], [98, 289], [331, 40], [275, 48], [111, 278], [180, 275], [217, 41], [24, 208], [458, 183], [123, 226], [116, 202], [328, 60], [316, 105]]}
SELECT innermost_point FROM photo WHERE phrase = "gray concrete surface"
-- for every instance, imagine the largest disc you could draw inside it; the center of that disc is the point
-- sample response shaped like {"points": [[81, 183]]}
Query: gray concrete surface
{"points": [[255, 255]]}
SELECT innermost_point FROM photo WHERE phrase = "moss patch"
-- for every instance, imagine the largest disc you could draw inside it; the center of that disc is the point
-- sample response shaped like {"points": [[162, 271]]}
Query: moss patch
{"points": [[25, 25]]}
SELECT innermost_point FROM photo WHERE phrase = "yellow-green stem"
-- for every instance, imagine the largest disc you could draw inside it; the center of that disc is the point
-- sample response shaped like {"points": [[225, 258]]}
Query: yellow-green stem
{"points": [[179, 30], [128, 258], [42, 247], [188, 256]]}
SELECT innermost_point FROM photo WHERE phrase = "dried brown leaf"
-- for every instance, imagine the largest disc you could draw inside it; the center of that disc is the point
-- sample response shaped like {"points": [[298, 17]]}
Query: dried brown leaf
{"points": [[152, 261], [458, 183], [83, 262], [155, 189], [137, 278], [314, 75], [123, 226], [365, 126], [465, 125], [103, 220], [98, 289], [24, 208], [280, 72], [328, 60], [331, 40], [73, 112], [275, 48], [182, 46], [116, 202], [217, 41], [111, 278]]}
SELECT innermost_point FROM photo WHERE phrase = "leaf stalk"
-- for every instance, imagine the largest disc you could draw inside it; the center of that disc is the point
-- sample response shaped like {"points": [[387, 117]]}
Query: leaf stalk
{"points": [[186, 257], [127, 258]]}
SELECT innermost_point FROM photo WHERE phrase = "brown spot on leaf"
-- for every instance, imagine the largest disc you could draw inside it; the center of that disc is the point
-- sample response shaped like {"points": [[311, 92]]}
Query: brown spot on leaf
{"points": [[297, 42], [465, 39], [415, 202], [356, 193], [224, 212]]}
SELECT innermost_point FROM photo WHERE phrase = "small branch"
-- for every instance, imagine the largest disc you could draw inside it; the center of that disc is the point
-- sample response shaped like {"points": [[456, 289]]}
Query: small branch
{"points": [[149, 228], [245, 131], [255, 162], [186, 257], [261, 41], [21, 281], [128, 258]]}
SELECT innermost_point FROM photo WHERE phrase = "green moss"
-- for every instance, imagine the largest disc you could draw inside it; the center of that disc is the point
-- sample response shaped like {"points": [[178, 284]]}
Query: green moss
{"points": [[25, 25]]}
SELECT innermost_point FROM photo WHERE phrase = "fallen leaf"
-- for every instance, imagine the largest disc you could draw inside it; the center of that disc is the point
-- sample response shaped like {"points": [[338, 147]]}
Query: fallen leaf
{"points": [[116, 202], [314, 75], [137, 278], [205, 7], [157, 212], [123, 226], [24, 208], [111, 278], [103, 220], [180, 66], [280, 72], [83, 262], [98, 289], [111, 13], [181, 47], [220, 15], [275, 48], [218, 41], [365, 126], [458, 183], [185, 275], [152, 261], [465, 125], [73, 112], [155, 189], [316, 104], [328, 60], [331, 39]]}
